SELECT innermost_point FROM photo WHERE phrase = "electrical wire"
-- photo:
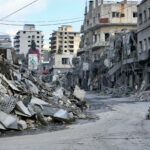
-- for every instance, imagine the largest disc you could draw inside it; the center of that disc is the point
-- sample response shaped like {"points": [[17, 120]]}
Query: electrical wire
{"points": [[61, 23], [3, 18], [44, 20], [42, 24]]}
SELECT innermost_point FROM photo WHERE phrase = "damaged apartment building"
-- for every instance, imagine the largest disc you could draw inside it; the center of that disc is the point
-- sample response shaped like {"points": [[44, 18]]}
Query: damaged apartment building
{"points": [[103, 22]]}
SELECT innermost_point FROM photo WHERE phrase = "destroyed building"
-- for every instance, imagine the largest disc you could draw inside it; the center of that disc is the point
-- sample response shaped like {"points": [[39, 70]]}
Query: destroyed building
{"points": [[144, 39], [100, 25]]}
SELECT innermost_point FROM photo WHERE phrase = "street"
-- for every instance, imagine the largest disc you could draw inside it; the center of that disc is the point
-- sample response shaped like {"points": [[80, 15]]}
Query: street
{"points": [[121, 126]]}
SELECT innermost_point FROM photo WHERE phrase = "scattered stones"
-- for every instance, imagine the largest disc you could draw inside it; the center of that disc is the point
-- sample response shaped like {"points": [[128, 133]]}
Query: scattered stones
{"points": [[27, 102]]}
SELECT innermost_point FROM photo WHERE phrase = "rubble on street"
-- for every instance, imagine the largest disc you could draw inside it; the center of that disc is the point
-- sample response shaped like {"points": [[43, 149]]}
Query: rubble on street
{"points": [[27, 102]]}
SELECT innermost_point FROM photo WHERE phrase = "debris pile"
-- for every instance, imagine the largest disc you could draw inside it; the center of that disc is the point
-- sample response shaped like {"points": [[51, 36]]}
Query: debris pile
{"points": [[27, 102], [143, 96], [117, 92]]}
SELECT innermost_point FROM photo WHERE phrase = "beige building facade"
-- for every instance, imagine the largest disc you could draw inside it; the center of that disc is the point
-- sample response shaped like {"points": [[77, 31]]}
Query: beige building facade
{"points": [[65, 40], [102, 21]]}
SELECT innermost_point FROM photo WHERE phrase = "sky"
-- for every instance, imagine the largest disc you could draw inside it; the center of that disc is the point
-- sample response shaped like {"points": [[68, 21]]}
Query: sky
{"points": [[41, 12]]}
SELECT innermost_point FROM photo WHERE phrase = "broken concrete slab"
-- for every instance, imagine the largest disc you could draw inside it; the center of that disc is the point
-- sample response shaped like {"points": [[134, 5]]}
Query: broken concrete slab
{"points": [[11, 85], [62, 114], [2, 127], [78, 93], [8, 121], [38, 101], [23, 109], [59, 92], [7, 104], [22, 125], [31, 87]]}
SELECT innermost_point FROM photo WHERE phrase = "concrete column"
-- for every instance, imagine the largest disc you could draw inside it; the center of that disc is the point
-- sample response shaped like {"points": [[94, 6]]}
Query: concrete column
{"points": [[96, 3], [91, 5]]}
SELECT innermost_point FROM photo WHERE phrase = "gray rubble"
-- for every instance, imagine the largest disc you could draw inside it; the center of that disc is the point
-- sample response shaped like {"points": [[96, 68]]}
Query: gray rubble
{"points": [[27, 102]]}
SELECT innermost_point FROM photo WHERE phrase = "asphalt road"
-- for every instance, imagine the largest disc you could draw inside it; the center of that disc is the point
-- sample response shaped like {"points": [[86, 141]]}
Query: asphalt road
{"points": [[122, 126]]}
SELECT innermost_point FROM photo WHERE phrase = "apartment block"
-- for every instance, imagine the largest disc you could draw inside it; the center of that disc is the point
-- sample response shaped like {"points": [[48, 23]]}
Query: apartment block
{"points": [[23, 39], [65, 40], [144, 30], [102, 21]]}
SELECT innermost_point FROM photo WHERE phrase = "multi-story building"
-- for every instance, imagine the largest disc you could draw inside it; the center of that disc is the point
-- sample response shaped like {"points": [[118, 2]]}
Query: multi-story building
{"points": [[144, 29], [103, 20], [23, 39], [144, 39], [65, 40], [64, 45]]}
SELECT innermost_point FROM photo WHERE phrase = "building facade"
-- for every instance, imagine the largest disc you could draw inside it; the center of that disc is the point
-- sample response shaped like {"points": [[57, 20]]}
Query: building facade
{"points": [[144, 39], [61, 63], [65, 40], [23, 39], [103, 20]]}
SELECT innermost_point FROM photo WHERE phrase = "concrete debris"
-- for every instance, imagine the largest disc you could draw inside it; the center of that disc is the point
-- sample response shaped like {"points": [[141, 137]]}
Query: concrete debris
{"points": [[28, 102], [78, 93], [8, 121], [7, 104], [143, 96], [62, 114], [23, 109], [22, 125]]}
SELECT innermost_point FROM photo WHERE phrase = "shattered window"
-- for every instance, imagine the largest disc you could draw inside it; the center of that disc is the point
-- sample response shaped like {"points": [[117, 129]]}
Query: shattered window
{"points": [[107, 35], [115, 14], [65, 61], [134, 14], [140, 18]]}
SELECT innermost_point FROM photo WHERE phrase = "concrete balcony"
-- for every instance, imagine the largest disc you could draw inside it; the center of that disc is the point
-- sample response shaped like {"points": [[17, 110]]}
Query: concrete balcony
{"points": [[100, 44]]}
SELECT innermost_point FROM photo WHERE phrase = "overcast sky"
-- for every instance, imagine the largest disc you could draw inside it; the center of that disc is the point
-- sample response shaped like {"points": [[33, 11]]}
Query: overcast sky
{"points": [[43, 10]]}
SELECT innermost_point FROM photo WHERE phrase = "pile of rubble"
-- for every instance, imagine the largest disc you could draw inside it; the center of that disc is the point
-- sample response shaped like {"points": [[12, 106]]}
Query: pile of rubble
{"points": [[27, 102], [117, 92]]}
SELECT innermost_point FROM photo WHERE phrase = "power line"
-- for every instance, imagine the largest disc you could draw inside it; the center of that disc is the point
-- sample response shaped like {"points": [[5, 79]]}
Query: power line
{"points": [[62, 22], [42, 24], [43, 20], [18, 10]]}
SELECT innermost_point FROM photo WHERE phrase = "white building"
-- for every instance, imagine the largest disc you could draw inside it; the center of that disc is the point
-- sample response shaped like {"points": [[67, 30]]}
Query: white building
{"points": [[61, 63], [23, 38]]}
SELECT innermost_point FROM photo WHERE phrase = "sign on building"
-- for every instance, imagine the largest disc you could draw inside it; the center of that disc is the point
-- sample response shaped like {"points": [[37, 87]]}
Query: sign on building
{"points": [[32, 61]]}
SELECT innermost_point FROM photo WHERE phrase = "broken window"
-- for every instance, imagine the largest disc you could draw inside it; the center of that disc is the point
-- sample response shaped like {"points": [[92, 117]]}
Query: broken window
{"points": [[140, 45], [149, 41], [107, 36], [145, 15], [65, 61], [71, 46], [94, 38], [140, 18], [122, 15], [145, 44], [134, 14], [93, 19], [71, 51], [87, 22], [115, 14]]}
